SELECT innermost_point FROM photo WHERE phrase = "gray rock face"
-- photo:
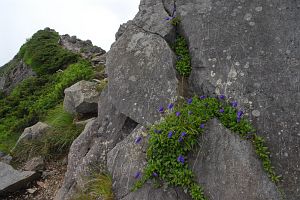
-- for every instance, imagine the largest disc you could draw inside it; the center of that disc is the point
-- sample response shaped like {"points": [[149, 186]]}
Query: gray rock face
{"points": [[249, 51], [148, 192], [12, 180], [85, 48], [228, 168], [141, 74], [34, 164], [127, 159], [122, 29], [82, 98], [88, 151], [152, 18], [34, 132], [17, 71]]}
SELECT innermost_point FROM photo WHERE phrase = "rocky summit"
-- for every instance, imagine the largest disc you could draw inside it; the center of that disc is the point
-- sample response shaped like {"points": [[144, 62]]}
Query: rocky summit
{"points": [[202, 102]]}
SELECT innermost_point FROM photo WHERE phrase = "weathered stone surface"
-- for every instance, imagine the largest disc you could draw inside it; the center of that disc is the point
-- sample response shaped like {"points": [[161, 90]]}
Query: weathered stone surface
{"points": [[14, 72], [34, 132], [128, 158], [34, 164], [148, 192], [141, 74], [82, 98], [122, 29], [85, 48], [228, 168], [125, 160], [6, 159], [12, 180], [152, 18], [88, 151], [249, 50]]}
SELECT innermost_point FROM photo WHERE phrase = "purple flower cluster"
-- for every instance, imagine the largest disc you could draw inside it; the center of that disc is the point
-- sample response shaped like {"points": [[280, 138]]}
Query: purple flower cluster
{"points": [[202, 97], [138, 139], [183, 134], [161, 109], [222, 97], [234, 104], [137, 174], [189, 101], [154, 174], [239, 115], [170, 106], [201, 126], [221, 110], [170, 134], [178, 114], [180, 159]]}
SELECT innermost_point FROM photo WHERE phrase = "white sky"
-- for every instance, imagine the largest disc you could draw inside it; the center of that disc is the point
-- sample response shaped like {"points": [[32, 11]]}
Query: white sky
{"points": [[97, 20]]}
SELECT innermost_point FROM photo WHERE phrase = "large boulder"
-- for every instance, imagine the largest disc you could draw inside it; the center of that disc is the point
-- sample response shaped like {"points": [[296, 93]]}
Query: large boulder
{"points": [[141, 74], [249, 51], [81, 98], [32, 133], [126, 160], [88, 152], [13, 180], [228, 168]]}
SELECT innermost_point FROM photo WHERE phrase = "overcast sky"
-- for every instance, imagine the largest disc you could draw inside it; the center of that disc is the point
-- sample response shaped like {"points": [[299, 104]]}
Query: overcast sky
{"points": [[97, 20]]}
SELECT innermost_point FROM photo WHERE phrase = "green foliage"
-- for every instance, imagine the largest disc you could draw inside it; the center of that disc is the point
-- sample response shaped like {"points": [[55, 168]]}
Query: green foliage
{"points": [[56, 141], [175, 21], [183, 64], [99, 185], [32, 99], [177, 135], [44, 55], [263, 153]]}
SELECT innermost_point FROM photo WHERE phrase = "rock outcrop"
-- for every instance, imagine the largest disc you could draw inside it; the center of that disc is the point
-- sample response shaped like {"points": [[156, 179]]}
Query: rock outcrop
{"points": [[32, 133], [81, 98], [248, 51], [143, 77], [227, 167], [85, 48], [88, 151], [14, 72], [12, 180]]}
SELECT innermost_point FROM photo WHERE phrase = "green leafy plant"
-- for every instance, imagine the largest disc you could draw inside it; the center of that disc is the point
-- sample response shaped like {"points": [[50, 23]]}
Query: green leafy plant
{"points": [[176, 135], [43, 53], [34, 97], [183, 63], [175, 21]]}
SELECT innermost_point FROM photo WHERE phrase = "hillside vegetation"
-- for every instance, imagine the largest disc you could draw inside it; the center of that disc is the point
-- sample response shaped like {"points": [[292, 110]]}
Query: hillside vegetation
{"points": [[33, 99]]}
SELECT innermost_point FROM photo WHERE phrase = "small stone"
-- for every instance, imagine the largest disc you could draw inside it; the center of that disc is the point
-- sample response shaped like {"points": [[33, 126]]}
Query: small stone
{"points": [[258, 9], [32, 190], [248, 17], [256, 113], [251, 23]]}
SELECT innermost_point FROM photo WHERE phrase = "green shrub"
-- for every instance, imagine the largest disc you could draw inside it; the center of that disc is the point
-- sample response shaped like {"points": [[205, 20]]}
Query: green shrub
{"points": [[173, 138], [44, 55], [32, 98], [183, 64], [55, 142]]}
